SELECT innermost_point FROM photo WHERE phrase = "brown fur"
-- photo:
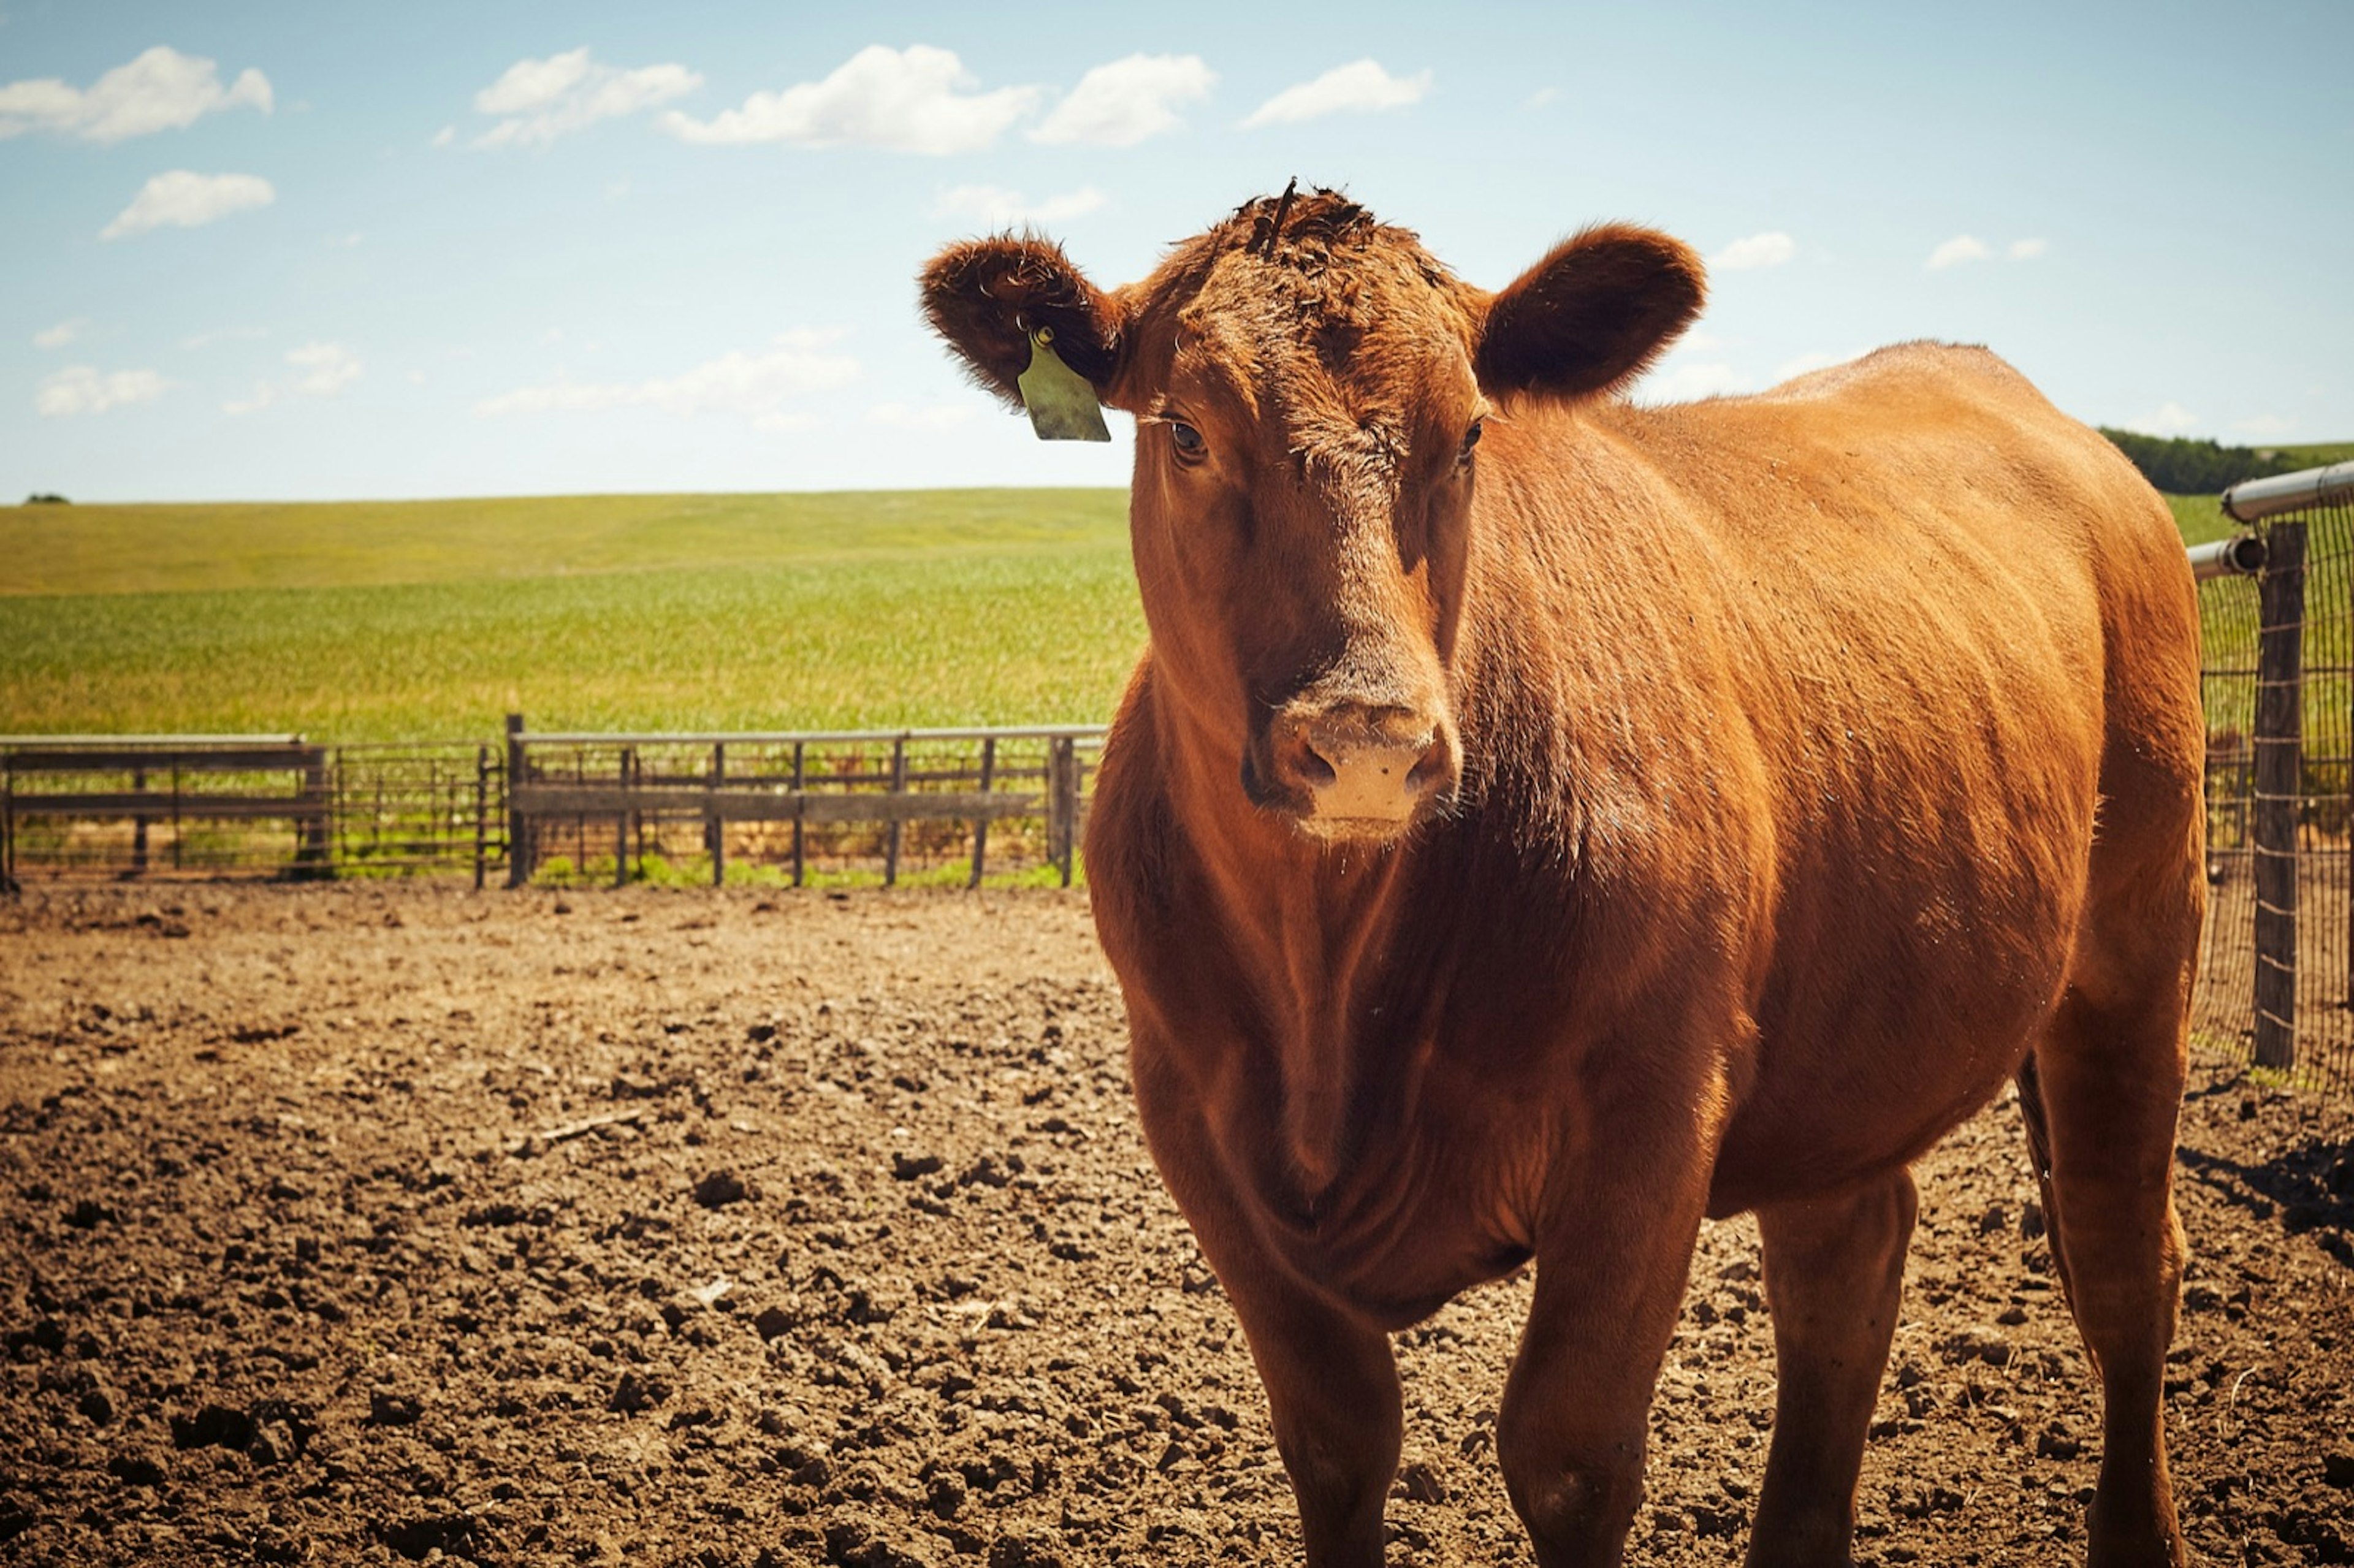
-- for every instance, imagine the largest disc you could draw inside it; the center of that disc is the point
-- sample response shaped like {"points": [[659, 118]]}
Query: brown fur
{"points": [[1776, 732]]}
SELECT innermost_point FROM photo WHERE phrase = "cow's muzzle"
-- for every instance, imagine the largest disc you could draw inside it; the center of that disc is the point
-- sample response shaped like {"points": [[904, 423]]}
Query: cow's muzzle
{"points": [[1352, 770]]}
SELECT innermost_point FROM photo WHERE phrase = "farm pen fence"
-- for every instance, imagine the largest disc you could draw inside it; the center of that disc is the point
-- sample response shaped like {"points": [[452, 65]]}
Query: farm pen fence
{"points": [[937, 804], [2276, 624]]}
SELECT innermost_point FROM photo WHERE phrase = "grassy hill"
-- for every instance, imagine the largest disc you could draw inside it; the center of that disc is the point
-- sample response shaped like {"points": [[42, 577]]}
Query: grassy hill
{"points": [[430, 619]]}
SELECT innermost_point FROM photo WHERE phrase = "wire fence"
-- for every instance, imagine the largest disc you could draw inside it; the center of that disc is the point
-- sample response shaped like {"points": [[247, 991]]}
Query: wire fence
{"points": [[926, 806], [2277, 983]]}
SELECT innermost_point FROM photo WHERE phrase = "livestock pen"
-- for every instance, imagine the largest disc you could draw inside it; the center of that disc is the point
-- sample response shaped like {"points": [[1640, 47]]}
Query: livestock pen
{"points": [[2276, 615]]}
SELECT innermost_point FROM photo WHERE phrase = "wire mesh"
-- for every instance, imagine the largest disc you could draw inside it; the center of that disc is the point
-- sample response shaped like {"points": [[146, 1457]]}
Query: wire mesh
{"points": [[689, 844], [2277, 983], [123, 808]]}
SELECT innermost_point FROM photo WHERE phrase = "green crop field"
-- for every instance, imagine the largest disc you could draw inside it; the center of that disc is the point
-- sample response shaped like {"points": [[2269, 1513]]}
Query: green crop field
{"points": [[366, 620], [414, 620]]}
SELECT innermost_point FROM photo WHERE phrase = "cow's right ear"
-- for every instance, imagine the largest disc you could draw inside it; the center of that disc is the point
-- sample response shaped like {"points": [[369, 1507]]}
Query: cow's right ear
{"points": [[986, 296]]}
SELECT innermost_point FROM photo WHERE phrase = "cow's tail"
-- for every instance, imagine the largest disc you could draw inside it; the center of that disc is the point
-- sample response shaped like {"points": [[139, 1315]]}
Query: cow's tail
{"points": [[2039, 1149]]}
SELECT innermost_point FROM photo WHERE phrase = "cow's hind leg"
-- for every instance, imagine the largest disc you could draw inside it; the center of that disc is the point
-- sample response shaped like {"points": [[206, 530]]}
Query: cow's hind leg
{"points": [[2109, 1114], [1834, 1267], [2101, 1095]]}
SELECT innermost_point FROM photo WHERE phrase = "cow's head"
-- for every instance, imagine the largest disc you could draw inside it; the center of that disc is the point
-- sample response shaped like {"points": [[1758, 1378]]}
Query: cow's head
{"points": [[1310, 389]]}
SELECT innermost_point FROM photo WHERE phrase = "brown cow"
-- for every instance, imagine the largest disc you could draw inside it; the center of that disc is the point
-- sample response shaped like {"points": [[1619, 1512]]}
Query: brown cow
{"points": [[1523, 847]]}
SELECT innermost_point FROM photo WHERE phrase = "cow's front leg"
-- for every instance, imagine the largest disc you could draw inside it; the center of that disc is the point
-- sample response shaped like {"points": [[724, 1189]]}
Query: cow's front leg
{"points": [[1331, 1383], [1611, 1265]]}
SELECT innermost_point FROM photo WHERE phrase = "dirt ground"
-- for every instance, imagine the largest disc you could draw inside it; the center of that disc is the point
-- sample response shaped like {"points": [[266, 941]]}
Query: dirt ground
{"points": [[356, 1224]]}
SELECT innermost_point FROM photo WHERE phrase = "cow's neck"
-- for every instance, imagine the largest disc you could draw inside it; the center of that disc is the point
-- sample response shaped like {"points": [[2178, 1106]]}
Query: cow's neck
{"points": [[1309, 922]]}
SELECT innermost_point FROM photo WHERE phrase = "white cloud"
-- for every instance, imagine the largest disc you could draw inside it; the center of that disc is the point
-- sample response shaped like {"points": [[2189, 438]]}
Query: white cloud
{"points": [[2171, 419], [1961, 248], [446, 136], [327, 368], [82, 389], [63, 333], [162, 90], [995, 207], [937, 417], [1120, 104], [1769, 250], [2263, 426], [735, 383], [2026, 250], [183, 200], [543, 99], [1674, 382], [323, 370], [909, 101], [1541, 96], [1360, 85]]}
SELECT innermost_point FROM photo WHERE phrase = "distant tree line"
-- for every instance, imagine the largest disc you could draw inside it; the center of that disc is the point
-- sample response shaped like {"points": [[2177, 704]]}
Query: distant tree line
{"points": [[43, 498], [2181, 467]]}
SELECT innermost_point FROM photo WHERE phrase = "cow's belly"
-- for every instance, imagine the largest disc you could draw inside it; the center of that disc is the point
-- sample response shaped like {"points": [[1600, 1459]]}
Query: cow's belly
{"points": [[1879, 1058]]}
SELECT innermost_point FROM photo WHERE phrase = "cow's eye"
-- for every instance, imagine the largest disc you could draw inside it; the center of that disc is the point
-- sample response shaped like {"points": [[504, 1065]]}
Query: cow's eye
{"points": [[1471, 439], [1186, 438]]}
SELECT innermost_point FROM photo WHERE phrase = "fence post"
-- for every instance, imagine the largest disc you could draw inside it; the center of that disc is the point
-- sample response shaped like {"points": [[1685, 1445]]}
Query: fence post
{"points": [[715, 826], [2279, 747], [980, 828], [482, 811], [622, 823], [1062, 802], [898, 791], [518, 831], [312, 849], [139, 826], [798, 803]]}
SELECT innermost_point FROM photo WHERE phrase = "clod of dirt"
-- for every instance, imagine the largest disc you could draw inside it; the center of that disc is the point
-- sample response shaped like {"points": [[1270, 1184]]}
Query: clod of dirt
{"points": [[1980, 1342], [386, 1408], [911, 1166], [721, 1188], [96, 1404], [451, 1534], [47, 1334], [89, 1214], [136, 1470], [772, 1322], [852, 1543], [1021, 1551], [1421, 1483], [2337, 1469], [213, 1427], [634, 1393]]}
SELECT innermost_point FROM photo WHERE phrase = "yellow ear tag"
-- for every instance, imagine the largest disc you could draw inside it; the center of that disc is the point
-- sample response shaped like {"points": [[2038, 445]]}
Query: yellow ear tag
{"points": [[1062, 407]]}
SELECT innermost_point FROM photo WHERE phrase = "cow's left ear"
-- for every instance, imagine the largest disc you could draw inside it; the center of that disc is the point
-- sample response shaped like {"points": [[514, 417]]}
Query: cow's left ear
{"points": [[1592, 316], [986, 296]]}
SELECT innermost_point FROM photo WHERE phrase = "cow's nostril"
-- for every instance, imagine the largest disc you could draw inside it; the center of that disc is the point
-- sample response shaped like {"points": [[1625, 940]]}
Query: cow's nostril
{"points": [[1314, 771]]}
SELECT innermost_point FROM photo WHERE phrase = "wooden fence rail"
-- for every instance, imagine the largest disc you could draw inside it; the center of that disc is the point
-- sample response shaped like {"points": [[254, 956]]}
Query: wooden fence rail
{"points": [[800, 780], [43, 778]]}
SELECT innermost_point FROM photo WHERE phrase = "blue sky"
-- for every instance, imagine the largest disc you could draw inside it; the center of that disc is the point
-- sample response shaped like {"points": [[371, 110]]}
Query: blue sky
{"points": [[304, 251]]}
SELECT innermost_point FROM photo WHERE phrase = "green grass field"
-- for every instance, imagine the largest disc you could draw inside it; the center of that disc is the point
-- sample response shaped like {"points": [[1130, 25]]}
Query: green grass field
{"points": [[418, 620], [380, 621]]}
